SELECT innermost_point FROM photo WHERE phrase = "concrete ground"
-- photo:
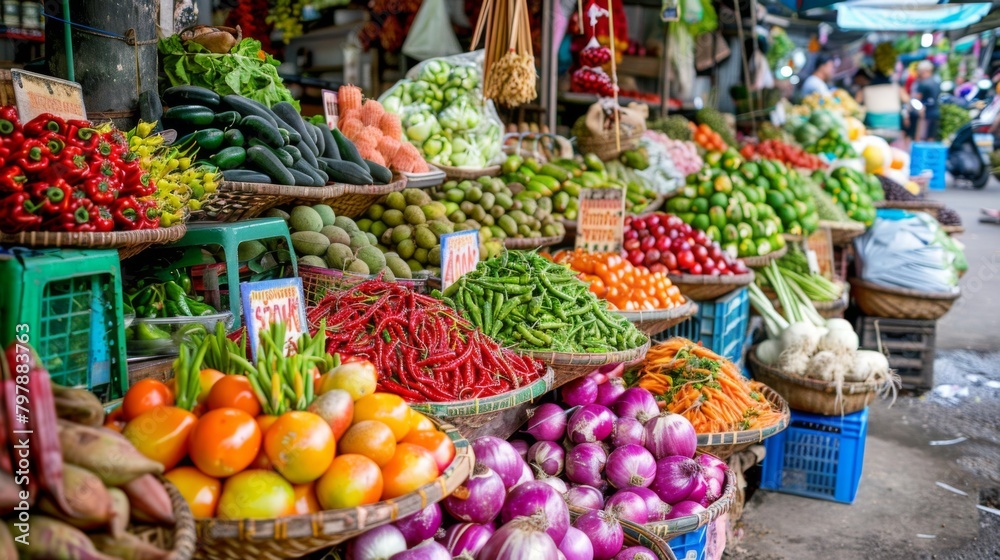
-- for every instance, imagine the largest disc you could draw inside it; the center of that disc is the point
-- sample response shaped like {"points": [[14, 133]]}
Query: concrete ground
{"points": [[901, 511]]}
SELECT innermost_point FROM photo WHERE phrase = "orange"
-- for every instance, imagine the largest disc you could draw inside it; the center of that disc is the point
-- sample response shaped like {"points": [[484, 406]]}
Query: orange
{"points": [[387, 408], [420, 422], [162, 434], [410, 468], [256, 494], [438, 443], [351, 481], [145, 395], [305, 499], [300, 445], [224, 442], [370, 438], [233, 391], [200, 491]]}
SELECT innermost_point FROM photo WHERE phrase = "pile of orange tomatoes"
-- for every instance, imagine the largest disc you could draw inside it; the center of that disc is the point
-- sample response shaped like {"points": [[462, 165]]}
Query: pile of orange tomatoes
{"points": [[624, 286], [707, 138], [352, 446]]}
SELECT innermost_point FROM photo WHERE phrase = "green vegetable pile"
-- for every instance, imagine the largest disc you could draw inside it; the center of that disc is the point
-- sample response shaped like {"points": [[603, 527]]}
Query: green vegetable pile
{"points": [[822, 133], [532, 303], [953, 118], [674, 126], [853, 192], [246, 70]]}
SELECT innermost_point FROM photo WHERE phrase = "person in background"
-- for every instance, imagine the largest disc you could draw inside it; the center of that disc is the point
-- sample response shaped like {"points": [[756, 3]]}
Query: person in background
{"points": [[821, 76], [761, 76], [927, 90]]}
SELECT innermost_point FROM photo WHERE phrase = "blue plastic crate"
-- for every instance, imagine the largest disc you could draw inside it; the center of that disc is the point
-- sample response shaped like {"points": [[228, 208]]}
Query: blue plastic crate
{"points": [[720, 325], [690, 546], [817, 456], [929, 156]]}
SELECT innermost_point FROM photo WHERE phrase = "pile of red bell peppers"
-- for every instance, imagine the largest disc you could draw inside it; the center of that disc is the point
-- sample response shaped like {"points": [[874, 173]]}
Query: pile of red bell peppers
{"points": [[64, 175]]}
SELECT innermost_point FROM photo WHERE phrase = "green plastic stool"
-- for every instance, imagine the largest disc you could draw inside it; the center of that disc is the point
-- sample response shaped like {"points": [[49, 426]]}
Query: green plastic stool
{"points": [[229, 236]]}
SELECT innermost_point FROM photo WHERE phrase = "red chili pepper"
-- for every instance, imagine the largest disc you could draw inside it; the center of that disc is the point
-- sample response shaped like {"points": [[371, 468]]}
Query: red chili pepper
{"points": [[18, 213], [71, 165], [99, 190], [101, 217], [149, 214], [34, 156], [12, 179], [126, 213], [53, 197], [43, 124]]}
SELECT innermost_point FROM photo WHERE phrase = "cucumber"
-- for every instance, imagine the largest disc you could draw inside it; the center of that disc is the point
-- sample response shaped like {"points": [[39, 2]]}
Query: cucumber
{"points": [[190, 115], [247, 107], [229, 158], [293, 151], [322, 175], [331, 150], [264, 160], [258, 127], [234, 137], [284, 157], [302, 167], [348, 172], [317, 138], [246, 176], [301, 179], [209, 139], [191, 95], [226, 119], [287, 112], [348, 152], [380, 173]]}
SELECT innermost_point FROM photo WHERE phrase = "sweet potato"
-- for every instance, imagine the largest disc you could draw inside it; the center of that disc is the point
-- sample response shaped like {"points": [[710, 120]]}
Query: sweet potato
{"points": [[78, 405], [88, 500], [51, 539], [150, 500], [120, 512], [128, 547], [111, 458]]}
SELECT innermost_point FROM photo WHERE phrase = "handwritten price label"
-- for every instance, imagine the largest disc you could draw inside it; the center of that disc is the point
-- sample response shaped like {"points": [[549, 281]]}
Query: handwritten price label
{"points": [[330, 108], [601, 220], [37, 94], [459, 255], [273, 301]]}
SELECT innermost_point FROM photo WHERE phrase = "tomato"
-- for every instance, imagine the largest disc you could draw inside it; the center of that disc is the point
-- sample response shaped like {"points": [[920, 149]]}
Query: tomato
{"points": [[264, 421], [115, 420], [256, 494], [300, 445], [370, 438], [410, 468], [233, 391], [224, 442], [305, 499], [420, 422], [387, 408], [162, 434], [438, 443], [352, 480], [145, 395], [358, 378], [200, 491], [337, 408]]}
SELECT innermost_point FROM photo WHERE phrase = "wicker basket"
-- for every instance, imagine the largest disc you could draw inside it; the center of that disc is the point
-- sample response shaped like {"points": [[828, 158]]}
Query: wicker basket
{"points": [[929, 206], [569, 365], [352, 201], [669, 529], [724, 444], [528, 243], [658, 320], [432, 178], [900, 303], [762, 261], [128, 243], [702, 287], [842, 233], [953, 230], [498, 416], [236, 201], [179, 541], [317, 282], [635, 535], [470, 173], [813, 395]]}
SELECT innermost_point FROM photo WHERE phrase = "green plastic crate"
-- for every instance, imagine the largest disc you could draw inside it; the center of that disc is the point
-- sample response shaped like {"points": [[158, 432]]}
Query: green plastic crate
{"points": [[71, 301]]}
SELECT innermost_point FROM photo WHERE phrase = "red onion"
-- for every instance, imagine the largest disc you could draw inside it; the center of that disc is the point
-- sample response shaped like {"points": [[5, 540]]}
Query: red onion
{"points": [[421, 525], [427, 550], [579, 392], [628, 506], [500, 456], [523, 538], [534, 498], [609, 392], [547, 422], [605, 533], [713, 493], [576, 545], [670, 434], [627, 431], [548, 457], [684, 509], [585, 463], [637, 553], [585, 496], [636, 403], [712, 467], [557, 483], [630, 465], [520, 446], [700, 489], [467, 537], [590, 423], [654, 505], [526, 474], [676, 477], [380, 543], [485, 495]]}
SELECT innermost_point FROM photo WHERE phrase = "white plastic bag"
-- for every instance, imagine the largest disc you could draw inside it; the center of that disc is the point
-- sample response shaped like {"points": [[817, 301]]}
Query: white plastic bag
{"points": [[431, 35]]}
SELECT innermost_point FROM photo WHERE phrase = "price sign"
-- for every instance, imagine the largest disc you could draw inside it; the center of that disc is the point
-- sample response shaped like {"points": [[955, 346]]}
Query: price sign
{"points": [[459, 254], [37, 94], [669, 11], [273, 301], [330, 108], [601, 220]]}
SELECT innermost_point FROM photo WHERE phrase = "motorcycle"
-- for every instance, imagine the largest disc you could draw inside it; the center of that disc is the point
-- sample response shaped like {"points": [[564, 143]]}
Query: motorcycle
{"points": [[967, 159]]}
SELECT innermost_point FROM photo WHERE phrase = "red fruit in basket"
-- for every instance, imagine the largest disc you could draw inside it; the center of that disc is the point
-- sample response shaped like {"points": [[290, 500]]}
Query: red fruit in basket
{"points": [[607, 89], [716, 253], [700, 253], [653, 220], [685, 259], [663, 243], [682, 245], [673, 222], [647, 242], [639, 223], [669, 260], [657, 267], [630, 233], [696, 268], [700, 238], [652, 256], [636, 257], [739, 267], [722, 267], [631, 244], [709, 263]]}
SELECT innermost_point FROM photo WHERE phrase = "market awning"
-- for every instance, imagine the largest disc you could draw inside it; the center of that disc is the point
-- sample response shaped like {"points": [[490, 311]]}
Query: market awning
{"points": [[918, 15]]}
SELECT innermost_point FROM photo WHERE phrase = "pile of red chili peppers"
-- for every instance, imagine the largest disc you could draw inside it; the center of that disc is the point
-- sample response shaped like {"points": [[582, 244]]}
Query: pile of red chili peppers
{"points": [[64, 175], [423, 350]]}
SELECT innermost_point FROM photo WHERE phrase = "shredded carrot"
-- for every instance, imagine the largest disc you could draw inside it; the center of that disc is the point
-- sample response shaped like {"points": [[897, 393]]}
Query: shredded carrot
{"points": [[705, 388]]}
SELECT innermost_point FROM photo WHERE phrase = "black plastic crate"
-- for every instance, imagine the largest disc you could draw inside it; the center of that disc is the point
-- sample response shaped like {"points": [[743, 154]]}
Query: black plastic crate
{"points": [[909, 344]]}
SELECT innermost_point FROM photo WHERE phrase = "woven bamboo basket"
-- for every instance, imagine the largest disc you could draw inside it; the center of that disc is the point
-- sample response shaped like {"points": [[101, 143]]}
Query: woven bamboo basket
{"points": [[669, 529], [128, 243], [635, 535], [470, 173], [929, 206], [498, 416], [792, 238], [236, 201], [724, 444], [701, 287], [658, 320], [606, 147], [813, 395], [953, 230], [528, 243], [353, 200], [762, 261], [179, 541], [569, 365], [900, 303], [842, 233]]}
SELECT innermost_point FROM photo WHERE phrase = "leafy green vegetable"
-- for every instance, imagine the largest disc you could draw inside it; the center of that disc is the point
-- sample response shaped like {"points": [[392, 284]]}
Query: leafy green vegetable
{"points": [[246, 70]]}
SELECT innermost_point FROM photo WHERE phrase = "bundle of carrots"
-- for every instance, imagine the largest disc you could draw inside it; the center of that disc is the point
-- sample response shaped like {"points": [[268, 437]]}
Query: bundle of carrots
{"points": [[705, 388]]}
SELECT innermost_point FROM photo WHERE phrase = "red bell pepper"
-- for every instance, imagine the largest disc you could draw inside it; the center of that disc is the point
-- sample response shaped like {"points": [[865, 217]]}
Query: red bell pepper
{"points": [[82, 135], [52, 197], [137, 182], [99, 190], [149, 214], [101, 217], [11, 135], [75, 217], [17, 213], [100, 167], [33, 156], [71, 165], [126, 213], [55, 143], [12, 179], [44, 124]]}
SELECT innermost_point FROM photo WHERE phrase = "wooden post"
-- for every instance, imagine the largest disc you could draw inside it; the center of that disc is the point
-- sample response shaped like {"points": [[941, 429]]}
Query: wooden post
{"points": [[112, 70]]}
